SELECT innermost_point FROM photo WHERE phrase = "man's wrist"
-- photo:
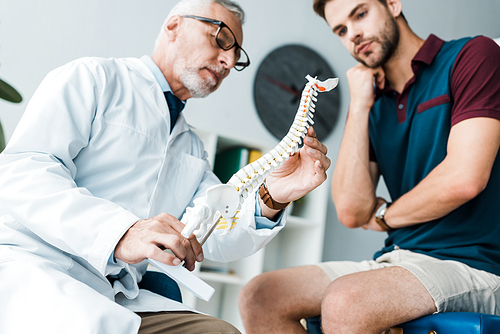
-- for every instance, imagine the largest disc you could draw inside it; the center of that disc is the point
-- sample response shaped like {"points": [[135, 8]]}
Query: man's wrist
{"points": [[380, 217]]}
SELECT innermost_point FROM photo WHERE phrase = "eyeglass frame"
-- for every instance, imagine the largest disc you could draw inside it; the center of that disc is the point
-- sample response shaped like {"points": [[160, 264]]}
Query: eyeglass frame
{"points": [[222, 25]]}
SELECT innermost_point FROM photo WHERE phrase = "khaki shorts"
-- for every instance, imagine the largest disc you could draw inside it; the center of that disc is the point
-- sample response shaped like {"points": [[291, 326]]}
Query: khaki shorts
{"points": [[454, 286], [180, 322]]}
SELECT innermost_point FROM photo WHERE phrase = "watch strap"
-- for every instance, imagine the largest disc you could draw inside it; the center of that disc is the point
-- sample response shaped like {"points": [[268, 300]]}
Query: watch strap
{"points": [[380, 220], [268, 200]]}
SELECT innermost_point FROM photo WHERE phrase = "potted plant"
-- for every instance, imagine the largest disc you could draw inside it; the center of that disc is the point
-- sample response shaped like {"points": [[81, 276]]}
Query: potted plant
{"points": [[8, 93]]}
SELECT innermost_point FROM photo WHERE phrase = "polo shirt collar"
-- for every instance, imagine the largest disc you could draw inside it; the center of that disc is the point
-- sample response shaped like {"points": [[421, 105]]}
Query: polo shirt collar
{"points": [[429, 50]]}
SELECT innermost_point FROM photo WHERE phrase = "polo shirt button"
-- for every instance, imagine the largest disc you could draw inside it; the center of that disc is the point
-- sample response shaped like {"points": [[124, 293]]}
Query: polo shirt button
{"points": [[401, 106]]}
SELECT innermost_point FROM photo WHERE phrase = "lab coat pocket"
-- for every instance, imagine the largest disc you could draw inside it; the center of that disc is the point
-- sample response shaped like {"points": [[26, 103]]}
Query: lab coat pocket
{"points": [[189, 176]]}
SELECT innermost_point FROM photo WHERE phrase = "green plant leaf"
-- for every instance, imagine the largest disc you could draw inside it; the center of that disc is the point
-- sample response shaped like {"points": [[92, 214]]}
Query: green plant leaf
{"points": [[7, 92], [2, 139]]}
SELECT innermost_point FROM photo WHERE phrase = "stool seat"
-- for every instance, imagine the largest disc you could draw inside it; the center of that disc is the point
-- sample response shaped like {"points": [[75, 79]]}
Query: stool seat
{"points": [[440, 323], [452, 323]]}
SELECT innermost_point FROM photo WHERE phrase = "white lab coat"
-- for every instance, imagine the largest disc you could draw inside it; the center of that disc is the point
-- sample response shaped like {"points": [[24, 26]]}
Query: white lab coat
{"points": [[93, 154]]}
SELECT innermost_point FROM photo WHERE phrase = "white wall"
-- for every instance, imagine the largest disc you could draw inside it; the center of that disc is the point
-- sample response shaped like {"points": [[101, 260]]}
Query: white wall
{"points": [[37, 36]]}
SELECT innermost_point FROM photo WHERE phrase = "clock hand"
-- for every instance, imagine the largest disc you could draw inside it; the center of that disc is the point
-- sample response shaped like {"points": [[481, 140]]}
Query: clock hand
{"points": [[318, 72], [281, 85]]}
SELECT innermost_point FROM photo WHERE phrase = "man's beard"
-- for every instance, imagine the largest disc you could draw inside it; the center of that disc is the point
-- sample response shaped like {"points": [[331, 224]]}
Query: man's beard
{"points": [[190, 78], [388, 40]]}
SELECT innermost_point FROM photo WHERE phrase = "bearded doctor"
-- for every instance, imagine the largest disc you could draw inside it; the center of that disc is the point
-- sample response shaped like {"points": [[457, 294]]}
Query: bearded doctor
{"points": [[101, 168]]}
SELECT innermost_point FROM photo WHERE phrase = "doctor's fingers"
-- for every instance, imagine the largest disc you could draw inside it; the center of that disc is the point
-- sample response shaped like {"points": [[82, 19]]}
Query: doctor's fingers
{"points": [[191, 244], [317, 155], [312, 142], [176, 243], [197, 248], [319, 174]]}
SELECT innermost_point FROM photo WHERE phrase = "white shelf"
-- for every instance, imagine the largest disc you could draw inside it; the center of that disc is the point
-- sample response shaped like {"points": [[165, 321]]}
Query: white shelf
{"points": [[300, 222], [221, 278]]}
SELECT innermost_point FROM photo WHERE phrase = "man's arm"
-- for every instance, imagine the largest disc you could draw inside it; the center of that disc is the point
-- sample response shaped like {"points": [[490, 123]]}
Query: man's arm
{"points": [[355, 178], [472, 147]]}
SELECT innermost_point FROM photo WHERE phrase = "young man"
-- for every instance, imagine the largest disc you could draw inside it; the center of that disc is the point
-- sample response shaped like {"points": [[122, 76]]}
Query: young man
{"points": [[433, 131], [99, 171]]}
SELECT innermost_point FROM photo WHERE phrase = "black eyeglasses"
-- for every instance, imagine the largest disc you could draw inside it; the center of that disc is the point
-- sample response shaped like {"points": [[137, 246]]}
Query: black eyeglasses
{"points": [[226, 40]]}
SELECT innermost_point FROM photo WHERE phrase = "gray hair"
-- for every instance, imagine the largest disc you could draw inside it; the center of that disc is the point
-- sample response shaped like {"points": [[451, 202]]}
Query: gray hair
{"points": [[200, 7]]}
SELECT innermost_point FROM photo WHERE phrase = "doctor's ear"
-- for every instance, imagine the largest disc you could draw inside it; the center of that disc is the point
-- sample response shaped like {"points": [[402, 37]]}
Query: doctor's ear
{"points": [[171, 27]]}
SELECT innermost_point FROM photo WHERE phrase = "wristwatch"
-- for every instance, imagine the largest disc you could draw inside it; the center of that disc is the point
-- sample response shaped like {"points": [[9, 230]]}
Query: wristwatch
{"points": [[380, 217], [268, 200]]}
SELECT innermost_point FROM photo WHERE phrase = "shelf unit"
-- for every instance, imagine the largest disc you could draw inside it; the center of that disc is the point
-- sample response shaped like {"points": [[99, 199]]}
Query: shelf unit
{"points": [[299, 243]]}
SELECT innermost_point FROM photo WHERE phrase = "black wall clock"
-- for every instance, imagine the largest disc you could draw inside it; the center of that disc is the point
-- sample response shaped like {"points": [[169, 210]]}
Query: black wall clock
{"points": [[278, 87]]}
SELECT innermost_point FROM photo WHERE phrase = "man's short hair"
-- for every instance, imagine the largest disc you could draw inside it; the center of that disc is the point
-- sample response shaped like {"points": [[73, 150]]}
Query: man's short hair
{"points": [[319, 7]]}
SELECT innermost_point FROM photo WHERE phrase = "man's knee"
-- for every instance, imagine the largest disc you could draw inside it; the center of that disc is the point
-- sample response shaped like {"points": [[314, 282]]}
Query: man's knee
{"points": [[341, 294], [286, 292], [254, 293], [344, 304]]}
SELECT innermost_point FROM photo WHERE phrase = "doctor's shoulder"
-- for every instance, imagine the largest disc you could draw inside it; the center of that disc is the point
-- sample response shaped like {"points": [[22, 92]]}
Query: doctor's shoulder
{"points": [[100, 70], [77, 72]]}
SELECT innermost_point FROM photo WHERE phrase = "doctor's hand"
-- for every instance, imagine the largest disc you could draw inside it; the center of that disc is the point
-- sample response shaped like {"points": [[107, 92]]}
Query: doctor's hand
{"points": [[148, 238], [301, 173]]}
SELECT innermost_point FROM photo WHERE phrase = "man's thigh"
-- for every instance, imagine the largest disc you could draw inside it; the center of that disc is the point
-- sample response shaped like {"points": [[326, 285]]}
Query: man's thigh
{"points": [[371, 301], [453, 286], [183, 322]]}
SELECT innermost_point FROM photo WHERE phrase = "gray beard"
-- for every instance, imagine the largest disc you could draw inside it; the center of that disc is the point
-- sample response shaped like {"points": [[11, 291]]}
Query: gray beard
{"points": [[197, 87]]}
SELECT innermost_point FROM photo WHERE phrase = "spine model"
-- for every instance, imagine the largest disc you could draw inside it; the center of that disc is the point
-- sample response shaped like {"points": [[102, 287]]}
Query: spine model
{"points": [[253, 174], [224, 200]]}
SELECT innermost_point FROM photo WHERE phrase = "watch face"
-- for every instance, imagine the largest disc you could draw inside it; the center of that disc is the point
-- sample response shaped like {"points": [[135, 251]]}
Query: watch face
{"points": [[278, 88], [381, 211]]}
